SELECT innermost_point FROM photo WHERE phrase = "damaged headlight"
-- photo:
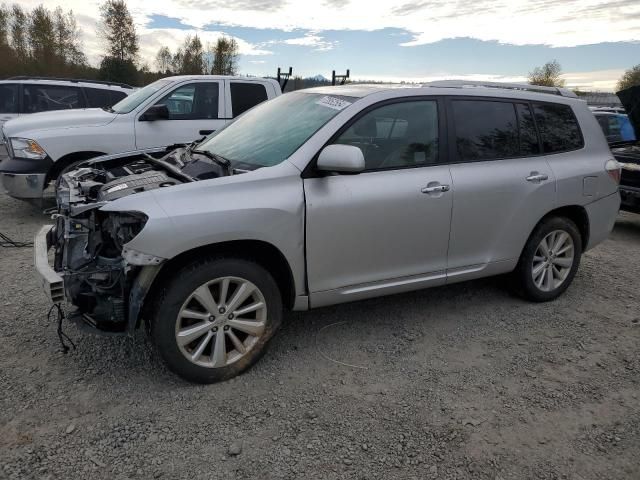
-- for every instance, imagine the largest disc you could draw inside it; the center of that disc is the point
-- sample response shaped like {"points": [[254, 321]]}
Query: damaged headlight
{"points": [[124, 227], [27, 148]]}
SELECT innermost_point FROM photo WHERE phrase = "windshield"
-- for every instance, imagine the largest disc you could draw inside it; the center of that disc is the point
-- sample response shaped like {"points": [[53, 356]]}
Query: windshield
{"points": [[269, 133], [131, 102]]}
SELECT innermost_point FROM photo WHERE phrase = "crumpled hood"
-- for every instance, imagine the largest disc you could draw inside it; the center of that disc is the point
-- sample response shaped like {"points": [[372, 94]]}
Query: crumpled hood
{"points": [[630, 98], [85, 117]]}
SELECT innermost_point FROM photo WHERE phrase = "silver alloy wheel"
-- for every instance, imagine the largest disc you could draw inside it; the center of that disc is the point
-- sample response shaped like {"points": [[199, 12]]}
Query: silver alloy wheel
{"points": [[221, 321], [552, 260]]}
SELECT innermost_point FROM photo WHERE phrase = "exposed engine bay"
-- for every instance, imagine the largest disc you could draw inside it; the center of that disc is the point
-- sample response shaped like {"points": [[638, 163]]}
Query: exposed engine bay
{"points": [[89, 243]]}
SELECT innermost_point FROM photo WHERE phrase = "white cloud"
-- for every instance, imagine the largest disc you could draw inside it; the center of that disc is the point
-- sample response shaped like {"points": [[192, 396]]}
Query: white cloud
{"points": [[518, 22], [600, 80], [312, 39]]}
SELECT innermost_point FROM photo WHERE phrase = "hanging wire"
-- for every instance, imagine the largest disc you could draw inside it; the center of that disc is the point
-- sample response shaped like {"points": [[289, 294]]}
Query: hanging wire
{"points": [[8, 242]]}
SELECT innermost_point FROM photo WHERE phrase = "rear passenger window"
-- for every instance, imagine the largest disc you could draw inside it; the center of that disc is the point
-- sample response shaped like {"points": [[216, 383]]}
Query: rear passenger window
{"points": [[485, 130], [42, 98], [9, 98], [558, 127], [245, 96]]}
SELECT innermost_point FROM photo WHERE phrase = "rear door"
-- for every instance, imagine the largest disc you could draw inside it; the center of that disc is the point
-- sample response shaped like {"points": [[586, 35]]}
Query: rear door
{"points": [[502, 184], [9, 101], [196, 109]]}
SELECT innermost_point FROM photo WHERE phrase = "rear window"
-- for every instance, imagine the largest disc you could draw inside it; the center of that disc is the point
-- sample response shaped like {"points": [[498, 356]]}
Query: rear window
{"points": [[9, 98], [245, 96], [42, 98], [103, 97], [485, 130], [559, 130]]}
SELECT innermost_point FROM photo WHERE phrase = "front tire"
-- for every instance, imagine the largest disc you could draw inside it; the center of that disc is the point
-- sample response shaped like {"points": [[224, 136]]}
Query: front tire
{"points": [[215, 317], [549, 261]]}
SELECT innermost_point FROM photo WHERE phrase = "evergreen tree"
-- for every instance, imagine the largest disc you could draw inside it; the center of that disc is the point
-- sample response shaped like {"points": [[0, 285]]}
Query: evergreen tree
{"points": [[119, 33]]}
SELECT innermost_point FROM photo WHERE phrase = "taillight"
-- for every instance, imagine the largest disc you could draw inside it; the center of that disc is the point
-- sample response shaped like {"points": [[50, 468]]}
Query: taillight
{"points": [[614, 169]]}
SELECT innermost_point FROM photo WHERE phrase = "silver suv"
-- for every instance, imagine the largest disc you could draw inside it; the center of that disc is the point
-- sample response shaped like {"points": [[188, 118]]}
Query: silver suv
{"points": [[325, 196]]}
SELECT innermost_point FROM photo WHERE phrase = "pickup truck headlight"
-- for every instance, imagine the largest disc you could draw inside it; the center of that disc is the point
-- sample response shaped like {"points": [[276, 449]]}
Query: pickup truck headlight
{"points": [[27, 148]]}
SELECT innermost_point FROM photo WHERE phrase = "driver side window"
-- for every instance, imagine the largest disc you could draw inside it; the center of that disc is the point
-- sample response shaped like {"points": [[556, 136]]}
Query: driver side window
{"points": [[398, 135], [194, 101]]}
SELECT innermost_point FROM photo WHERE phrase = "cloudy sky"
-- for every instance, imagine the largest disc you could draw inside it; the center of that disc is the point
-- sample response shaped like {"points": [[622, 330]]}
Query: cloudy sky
{"points": [[414, 40]]}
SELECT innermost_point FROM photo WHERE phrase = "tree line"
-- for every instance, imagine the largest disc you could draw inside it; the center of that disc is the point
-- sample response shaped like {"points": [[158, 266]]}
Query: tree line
{"points": [[550, 75], [46, 42]]}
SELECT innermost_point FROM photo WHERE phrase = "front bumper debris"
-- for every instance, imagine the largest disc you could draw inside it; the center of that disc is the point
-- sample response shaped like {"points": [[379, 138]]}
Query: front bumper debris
{"points": [[51, 282]]}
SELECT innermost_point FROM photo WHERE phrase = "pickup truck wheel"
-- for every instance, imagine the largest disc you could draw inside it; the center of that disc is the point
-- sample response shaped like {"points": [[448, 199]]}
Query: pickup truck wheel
{"points": [[549, 260], [215, 318]]}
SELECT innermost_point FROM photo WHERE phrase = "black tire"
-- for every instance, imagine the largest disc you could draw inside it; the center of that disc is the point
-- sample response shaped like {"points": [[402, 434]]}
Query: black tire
{"points": [[181, 286], [523, 283]]}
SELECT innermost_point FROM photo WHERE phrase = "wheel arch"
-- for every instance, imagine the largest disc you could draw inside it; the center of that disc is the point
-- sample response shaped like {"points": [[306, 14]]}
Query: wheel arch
{"points": [[68, 159], [578, 215], [263, 253]]}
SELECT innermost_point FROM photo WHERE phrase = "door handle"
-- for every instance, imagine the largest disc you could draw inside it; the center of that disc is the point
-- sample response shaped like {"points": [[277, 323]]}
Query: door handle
{"points": [[206, 132], [536, 177], [435, 189]]}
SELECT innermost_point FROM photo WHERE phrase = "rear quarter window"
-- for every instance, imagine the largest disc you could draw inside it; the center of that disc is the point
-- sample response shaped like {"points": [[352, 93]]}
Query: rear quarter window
{"points": [[103, 97], [558, 126], [245, 96]]}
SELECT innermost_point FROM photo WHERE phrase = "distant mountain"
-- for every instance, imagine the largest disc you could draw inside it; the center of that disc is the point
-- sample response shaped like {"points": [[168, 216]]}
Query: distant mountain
{"points": [[319, 78]]}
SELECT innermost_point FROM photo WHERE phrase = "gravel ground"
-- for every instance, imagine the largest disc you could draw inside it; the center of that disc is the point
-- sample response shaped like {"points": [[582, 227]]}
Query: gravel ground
{"points": [[458, 382]]}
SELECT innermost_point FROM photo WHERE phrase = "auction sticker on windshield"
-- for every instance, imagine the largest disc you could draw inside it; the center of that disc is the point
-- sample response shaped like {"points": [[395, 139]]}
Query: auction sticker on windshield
{"points": [[333, 102]]}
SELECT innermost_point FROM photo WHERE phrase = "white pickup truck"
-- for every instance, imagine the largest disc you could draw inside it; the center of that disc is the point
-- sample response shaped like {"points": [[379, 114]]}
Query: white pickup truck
{"points": [[174, 110]]}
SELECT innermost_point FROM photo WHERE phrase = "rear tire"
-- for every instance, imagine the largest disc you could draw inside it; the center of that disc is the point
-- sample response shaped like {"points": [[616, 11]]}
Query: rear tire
{"points": [[215, 317], [549, 260]]}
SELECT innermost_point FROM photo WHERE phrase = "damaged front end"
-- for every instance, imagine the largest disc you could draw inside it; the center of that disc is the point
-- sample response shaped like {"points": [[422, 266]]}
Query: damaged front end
{"points": [[101, 277]]}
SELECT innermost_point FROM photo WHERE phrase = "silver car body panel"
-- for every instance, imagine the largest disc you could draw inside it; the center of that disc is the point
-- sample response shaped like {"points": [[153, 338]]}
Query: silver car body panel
{"points": [[349, 237]]}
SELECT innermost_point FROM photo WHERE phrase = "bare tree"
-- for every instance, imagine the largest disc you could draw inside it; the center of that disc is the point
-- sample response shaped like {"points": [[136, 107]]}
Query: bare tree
{"points": [[630, 78], [5, 18], [41, 35], [66, 38], [548, 75], [164, 59], [192, 58], [225, 57], [19, 32]]}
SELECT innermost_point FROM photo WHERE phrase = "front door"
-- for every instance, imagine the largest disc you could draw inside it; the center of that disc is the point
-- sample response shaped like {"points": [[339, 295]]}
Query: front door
{"points": [[195, 110], [386, 229]]}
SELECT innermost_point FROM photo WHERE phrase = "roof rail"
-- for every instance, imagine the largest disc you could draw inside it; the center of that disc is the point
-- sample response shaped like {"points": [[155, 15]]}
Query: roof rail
{"points": [[564, 92], [73, 80]]}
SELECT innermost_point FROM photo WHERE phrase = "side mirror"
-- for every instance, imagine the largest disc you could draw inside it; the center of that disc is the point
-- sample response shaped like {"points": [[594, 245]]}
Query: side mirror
{"points": [[155, 112], [341, 159]]}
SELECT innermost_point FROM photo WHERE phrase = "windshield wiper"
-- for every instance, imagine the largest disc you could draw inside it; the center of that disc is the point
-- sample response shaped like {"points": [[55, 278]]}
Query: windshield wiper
{"points": [[219, 159]]}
